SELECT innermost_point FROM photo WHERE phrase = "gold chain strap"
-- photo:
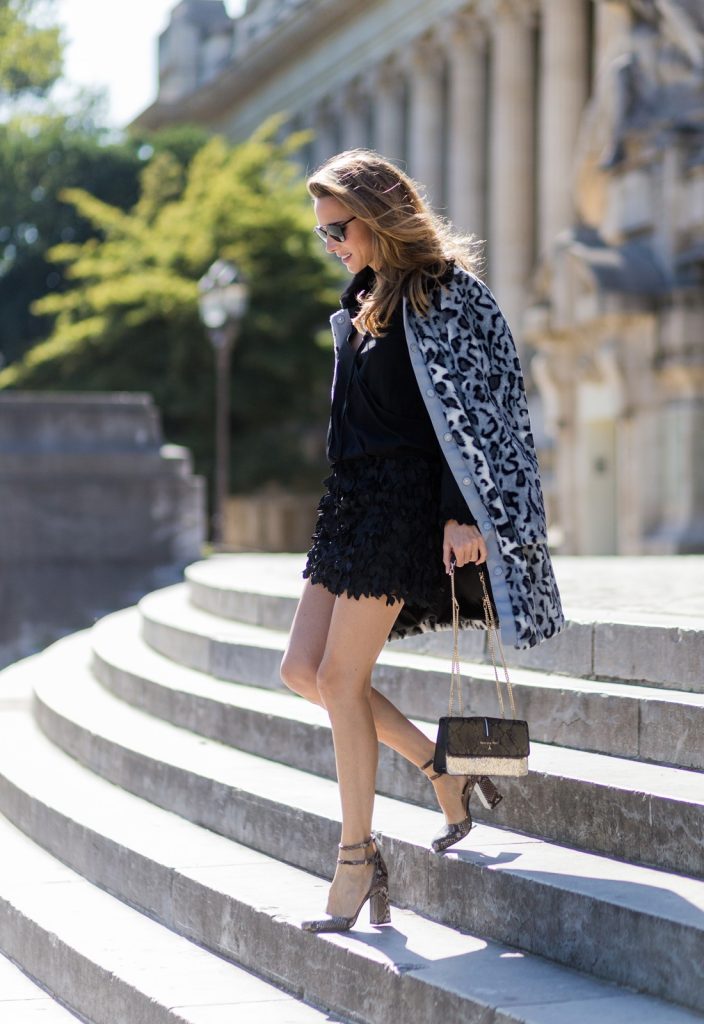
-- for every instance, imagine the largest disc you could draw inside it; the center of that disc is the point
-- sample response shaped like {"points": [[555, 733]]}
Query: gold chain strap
{"points": [[455, 672], [494, 639]]}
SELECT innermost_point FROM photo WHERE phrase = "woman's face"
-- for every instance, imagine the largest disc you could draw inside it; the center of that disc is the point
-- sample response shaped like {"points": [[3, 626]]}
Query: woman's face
{"points": [[356, 250]]}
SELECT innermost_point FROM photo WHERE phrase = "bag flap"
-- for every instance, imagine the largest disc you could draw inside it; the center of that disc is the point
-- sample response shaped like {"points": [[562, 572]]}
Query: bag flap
{"points": [[484, 737]]}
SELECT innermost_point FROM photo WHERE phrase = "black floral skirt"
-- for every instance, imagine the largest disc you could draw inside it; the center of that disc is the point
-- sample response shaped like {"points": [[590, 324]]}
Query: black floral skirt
{"points": [[379, 534]]}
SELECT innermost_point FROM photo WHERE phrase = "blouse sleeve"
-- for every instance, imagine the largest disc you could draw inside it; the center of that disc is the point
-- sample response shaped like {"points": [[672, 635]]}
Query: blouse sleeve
{"points": [[452, 504]]}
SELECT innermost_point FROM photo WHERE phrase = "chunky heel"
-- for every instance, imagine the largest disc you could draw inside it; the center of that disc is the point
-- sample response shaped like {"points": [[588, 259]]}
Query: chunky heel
{"points": [[379, 909], [377, 894], [452, 833], [488, 793]]}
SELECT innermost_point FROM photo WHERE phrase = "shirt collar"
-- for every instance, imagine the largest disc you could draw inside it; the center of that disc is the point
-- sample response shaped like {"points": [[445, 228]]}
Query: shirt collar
{"points": [[362, 281]]}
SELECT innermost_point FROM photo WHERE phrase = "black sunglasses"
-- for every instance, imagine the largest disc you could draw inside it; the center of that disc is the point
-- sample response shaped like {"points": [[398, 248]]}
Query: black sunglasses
{"points": [[335, 231]]}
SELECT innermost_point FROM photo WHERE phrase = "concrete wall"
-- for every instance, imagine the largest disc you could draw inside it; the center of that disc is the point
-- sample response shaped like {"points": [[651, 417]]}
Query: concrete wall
{"points": [[94, 511]]}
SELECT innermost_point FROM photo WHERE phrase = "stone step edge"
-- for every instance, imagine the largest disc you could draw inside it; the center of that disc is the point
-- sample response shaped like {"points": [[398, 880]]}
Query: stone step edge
{"points": [[90, 976], [648, 973], [189, 890], [23, 997], [288, 585], [206, 625], [658, 652], [168, 626], [195, 682], [543, 803]]}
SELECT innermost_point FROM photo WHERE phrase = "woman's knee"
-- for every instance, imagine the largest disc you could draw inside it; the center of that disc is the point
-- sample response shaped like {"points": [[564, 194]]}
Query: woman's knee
{"points": [[299, 677], [338, 687]]}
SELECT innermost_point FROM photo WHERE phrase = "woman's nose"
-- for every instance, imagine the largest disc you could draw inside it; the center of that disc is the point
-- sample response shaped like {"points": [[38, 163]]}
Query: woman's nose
{"points": [[330, 244]]}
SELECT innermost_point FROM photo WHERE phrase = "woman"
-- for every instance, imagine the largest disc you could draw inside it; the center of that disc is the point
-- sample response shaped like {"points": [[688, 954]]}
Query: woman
{"points": [[432, 461]]}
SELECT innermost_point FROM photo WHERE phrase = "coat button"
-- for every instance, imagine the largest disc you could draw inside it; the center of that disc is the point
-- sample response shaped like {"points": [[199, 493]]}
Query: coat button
{"points": [[498, 571], [466, 481], [340, 317], [414, 349], [430, 392], [448, 437], [486, 525]]}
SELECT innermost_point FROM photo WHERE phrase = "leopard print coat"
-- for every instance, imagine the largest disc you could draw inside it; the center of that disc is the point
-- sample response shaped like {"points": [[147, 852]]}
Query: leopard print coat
{"points": [[469, 375]]}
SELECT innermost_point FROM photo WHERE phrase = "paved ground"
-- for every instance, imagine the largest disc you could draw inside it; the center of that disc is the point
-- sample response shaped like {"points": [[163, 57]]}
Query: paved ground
{"points": [[664, 589]]}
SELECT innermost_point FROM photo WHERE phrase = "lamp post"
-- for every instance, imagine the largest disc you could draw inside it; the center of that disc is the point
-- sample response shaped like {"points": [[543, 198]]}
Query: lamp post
{"points": [[222, 303]]}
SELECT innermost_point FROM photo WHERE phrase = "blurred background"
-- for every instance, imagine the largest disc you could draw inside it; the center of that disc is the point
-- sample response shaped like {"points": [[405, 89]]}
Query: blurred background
{"points": [[145, 407]]}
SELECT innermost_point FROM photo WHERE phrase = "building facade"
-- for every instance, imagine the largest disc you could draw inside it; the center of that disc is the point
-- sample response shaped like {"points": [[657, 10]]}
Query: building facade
{"points": [[567, 133]]}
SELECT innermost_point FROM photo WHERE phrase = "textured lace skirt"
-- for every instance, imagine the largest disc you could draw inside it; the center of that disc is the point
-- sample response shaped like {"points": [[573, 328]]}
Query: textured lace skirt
{"points": [[378, 533]]}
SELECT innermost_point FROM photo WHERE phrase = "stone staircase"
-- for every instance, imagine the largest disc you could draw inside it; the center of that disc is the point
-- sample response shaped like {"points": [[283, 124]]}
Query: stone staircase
{"points": [[169, 814]]}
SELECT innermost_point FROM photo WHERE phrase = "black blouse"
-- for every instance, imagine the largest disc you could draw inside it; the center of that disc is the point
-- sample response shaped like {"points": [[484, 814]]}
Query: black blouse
{"points": [[377, 408]]}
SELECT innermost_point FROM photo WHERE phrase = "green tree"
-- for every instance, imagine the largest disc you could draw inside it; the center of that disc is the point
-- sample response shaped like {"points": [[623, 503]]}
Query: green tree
{"points": [[130, 319], [30, 49], [40, 156]]}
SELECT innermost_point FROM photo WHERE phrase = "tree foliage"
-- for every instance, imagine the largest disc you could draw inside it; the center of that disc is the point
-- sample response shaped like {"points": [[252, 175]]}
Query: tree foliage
{"points": [[30, 51], [40, 156], [129, 320]]}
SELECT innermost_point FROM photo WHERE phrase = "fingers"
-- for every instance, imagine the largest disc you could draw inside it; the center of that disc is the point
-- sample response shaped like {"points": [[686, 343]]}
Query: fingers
{"points": [[473, 550], [483, 553], [447, 554]]}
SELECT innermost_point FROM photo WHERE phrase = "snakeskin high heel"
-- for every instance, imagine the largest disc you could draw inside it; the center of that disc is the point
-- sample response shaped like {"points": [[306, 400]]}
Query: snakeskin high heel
{"points": [[452, 833], [378, 894]]}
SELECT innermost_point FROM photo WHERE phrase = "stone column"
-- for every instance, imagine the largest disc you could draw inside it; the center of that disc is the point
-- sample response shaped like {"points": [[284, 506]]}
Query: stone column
{"points": [[552, 369], [425, 122], [563, 94], [325, 125], [464, 38], [680, 414], [511, 140], [612, 23], [355, 117], [389, 89]]}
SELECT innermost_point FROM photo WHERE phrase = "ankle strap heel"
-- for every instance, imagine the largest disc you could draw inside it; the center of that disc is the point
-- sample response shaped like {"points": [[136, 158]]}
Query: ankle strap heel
{"points": [[357, 846], [427, 765], [377, 893]]}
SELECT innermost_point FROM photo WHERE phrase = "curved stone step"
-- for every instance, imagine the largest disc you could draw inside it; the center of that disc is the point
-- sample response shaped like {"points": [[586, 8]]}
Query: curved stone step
{"points": [[22, 1001], [644, 723], [630, 924], [107, 961], [247, 907], [622, 808], [632, 619]]}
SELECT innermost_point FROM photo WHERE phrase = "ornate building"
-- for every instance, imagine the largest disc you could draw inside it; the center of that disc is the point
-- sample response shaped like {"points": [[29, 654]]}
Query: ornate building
{"points": [[567, 133]]}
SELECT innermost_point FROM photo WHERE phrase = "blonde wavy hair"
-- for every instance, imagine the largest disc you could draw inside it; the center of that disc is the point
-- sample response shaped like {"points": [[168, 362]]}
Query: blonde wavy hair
{"points": [[411, 244]]}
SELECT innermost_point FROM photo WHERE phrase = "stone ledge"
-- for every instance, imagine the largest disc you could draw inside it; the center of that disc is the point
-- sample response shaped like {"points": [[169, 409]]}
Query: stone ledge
{"points": [[619, 807], [51, 422], [620, 612], [266, 806], [107, 961], [612, 718], [23, 1000], [246, 906]]}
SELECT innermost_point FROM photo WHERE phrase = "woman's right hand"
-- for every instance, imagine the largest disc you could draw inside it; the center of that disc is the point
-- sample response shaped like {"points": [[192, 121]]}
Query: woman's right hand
{"points": [[464, 542]]}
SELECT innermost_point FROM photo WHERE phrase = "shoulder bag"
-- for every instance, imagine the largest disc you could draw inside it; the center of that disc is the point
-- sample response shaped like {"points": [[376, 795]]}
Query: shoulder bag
{"points": [[480, 745]]}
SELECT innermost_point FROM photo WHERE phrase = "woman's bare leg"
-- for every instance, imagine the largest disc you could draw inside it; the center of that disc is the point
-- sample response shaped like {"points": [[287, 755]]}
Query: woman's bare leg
{"points": [[357, 633], [299, 671]]}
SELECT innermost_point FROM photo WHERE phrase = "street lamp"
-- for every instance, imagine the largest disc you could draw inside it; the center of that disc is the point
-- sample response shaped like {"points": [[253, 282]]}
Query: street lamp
{"points": [[222, 303]]}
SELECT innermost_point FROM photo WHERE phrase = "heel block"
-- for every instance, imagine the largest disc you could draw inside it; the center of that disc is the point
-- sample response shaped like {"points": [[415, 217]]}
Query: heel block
{"points": [[379, 909], [488, 793]]}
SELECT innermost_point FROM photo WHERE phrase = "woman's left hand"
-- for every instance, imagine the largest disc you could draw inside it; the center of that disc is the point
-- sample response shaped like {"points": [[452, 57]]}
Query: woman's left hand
{"points": [[464, 542]]}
